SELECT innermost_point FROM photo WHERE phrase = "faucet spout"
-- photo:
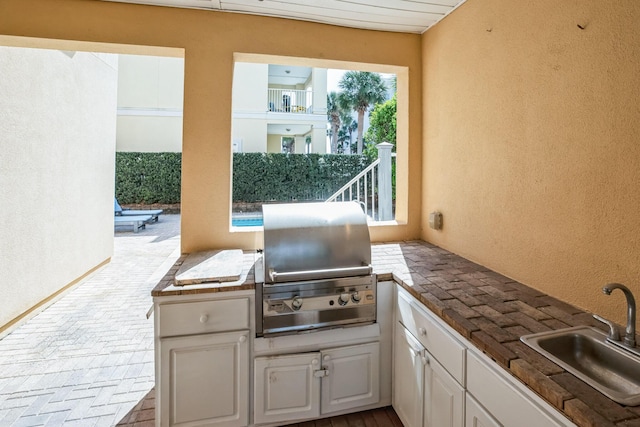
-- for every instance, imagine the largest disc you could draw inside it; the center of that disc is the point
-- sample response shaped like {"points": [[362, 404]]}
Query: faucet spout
{"points": [[630, 331]]}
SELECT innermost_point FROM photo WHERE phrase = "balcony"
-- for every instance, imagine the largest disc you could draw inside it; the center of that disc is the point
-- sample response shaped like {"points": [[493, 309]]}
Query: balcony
{"points": [[290, 101]]}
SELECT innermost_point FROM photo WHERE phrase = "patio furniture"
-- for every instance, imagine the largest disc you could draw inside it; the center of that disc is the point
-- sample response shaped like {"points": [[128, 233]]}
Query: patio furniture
{"points": [[135, 221], [154, 213]]}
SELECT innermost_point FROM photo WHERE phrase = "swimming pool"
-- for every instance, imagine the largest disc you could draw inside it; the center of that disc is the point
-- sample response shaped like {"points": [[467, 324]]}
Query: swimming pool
{"points": [[247, 222]]}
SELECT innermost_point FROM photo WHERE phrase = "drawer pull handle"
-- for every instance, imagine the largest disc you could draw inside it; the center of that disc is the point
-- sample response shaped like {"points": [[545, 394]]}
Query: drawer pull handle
{"points": [[204, 318], [422, 331], [242, 338]]}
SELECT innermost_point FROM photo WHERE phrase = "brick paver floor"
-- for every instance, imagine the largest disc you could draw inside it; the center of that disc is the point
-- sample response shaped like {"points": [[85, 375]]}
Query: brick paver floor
{"points": [[87, 359]]}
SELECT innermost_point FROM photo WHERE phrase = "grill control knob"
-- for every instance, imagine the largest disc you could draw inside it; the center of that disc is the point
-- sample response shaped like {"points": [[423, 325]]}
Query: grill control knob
{"points": [[343, 299], [296, 303], [355, 297]]}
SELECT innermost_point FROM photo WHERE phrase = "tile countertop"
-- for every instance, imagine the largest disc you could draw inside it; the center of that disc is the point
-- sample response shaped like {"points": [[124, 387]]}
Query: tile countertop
{"points": [[490, 310]]}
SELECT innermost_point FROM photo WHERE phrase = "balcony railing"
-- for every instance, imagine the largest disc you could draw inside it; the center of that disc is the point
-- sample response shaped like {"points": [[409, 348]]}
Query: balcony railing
{"points": [[290, 101]]}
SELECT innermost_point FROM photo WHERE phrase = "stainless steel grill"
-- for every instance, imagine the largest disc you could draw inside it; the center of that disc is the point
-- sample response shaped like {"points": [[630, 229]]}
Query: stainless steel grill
{"points": [[317, 268]]}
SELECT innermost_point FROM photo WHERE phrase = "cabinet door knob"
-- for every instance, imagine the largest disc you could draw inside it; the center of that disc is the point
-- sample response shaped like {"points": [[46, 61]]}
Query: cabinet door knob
{"points": [[422, 331], [314, 362], [242, 338], [326, 358], [204, 318], [425, 360]]}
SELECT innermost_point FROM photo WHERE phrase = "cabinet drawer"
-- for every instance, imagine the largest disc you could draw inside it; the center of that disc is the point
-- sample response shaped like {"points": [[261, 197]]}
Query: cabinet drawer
{"points": [[500, 396], [440, 343], [186, 318]]}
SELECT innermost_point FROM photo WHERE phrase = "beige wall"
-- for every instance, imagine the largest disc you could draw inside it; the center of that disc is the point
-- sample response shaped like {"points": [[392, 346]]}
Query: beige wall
{"points": [[210, 40], [150, 100], [274, 143], [57, 140], [531, 148]]}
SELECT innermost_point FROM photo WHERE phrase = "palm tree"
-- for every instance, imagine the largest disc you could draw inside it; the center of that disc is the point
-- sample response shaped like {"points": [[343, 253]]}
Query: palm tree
{"points": [[360, 89], [348, 125], [344, 139], [333, 115]]}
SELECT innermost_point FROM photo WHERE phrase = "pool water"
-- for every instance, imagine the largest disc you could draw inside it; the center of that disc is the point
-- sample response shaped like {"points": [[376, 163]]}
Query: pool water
{"points": [[246, 222]]}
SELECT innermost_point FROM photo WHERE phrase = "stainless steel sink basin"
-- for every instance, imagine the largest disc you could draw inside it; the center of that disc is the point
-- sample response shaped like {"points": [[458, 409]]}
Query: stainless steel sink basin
{"points": [[585, 352]]}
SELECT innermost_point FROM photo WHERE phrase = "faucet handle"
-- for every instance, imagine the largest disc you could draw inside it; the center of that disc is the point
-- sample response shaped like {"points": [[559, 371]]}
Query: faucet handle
{"points": [[614, 334]]}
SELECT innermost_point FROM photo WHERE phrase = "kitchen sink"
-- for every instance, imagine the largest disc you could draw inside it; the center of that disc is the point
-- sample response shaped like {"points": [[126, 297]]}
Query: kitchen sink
{"points": [[585, 352]]}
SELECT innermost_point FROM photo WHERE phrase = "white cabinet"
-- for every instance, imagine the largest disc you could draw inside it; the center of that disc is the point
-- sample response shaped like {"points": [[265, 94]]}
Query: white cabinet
{"points": [[205, 380], [286, 388], [477, 416], [408, 381], [425, 393], [507, 400], [460, 385], [202, 347], [432, 334], [352, 377], [444, 397], [306, 385]]}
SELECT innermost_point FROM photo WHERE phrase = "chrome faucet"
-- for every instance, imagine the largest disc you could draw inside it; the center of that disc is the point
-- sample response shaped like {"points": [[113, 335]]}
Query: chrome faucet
{"points": [[630, 331]]}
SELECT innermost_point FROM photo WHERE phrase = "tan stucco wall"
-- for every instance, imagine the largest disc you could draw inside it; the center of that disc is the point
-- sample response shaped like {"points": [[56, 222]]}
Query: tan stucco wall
{"points": [[150, 101], [531, 143], [209, 40], [57, 145]]}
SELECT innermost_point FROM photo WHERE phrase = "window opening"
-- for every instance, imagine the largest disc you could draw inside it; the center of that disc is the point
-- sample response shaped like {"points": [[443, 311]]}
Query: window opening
{"points": [[307, 137]]}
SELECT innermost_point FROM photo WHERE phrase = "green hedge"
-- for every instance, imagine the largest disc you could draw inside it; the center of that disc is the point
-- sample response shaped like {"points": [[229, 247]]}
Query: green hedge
{"points": [[265, 177], [147, 178]]}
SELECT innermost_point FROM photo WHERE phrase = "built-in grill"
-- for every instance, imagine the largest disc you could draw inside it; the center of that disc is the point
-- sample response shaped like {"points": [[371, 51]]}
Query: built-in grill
{"points": [[317, 268]]}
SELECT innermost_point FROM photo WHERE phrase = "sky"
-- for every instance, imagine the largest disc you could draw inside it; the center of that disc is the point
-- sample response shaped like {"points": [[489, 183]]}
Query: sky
{"points": [[333, 77]]}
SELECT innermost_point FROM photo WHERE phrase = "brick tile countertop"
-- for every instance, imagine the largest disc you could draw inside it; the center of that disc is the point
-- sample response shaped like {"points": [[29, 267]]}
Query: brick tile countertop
{"points": [[490, 310]]}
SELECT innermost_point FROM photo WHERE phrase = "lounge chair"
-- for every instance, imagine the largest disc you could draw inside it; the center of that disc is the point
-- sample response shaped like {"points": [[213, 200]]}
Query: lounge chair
{"points": [[135, 221], [154, 213]]}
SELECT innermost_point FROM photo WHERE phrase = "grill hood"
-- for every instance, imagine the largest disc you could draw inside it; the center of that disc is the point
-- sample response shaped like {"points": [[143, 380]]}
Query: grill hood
{"points": [[306, 241]]}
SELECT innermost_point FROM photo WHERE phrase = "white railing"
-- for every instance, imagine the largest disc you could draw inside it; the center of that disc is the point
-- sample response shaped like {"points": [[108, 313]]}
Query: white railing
{"points": [[371, 187], [290, 101]]}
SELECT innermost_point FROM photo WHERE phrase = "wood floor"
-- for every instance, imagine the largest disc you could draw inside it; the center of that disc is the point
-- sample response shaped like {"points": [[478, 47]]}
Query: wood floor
{"points": [[383, 417], [142, 415]]}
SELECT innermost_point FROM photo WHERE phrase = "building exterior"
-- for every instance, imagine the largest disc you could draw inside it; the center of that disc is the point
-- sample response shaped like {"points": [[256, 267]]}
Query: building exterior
{"points": [[150, 100], [279, 108]]}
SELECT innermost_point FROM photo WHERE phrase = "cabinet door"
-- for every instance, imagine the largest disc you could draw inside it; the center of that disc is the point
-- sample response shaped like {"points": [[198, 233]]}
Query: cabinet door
{"points": [[287, 388], [407, 377], [477, 416], [205, 380], [353, 377], [444, 397]]}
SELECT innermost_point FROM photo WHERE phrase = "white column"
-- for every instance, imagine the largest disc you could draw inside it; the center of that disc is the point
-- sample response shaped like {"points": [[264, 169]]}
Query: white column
{"points": [[319, 139], [385, 206], [319, 77]]}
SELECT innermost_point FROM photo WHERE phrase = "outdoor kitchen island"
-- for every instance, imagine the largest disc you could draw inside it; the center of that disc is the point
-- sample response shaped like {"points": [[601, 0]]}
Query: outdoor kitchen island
{"points": [[475, 372]]}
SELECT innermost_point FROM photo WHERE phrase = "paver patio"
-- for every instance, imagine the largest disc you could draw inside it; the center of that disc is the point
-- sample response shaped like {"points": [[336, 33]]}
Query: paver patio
{"points": [[87, 359]]}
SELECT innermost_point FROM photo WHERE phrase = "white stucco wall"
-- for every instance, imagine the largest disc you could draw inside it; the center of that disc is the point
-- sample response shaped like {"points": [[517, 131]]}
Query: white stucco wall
{"points": [[252, 132], [150, 103], [250, 83], [57, 148]]}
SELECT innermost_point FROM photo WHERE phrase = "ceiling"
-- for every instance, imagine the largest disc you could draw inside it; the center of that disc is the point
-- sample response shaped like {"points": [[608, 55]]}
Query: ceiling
{"points": [[407, 16], [288, 74]]}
